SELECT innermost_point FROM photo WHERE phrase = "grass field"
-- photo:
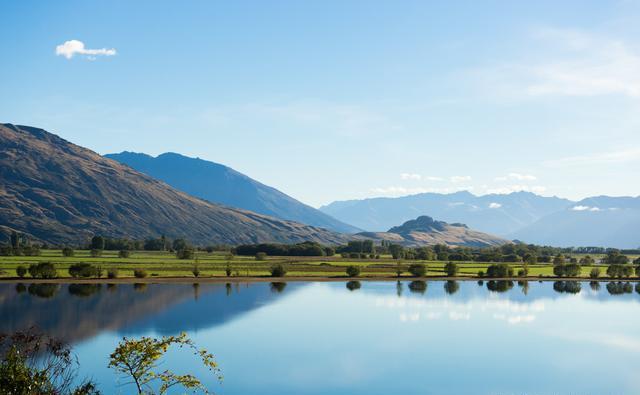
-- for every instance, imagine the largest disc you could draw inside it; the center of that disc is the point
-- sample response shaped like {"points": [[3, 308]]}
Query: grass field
{"points": [[165, 264]]}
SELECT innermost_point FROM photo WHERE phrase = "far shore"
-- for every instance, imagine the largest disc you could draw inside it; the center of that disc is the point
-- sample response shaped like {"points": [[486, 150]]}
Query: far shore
{"points": [[259, 279]]}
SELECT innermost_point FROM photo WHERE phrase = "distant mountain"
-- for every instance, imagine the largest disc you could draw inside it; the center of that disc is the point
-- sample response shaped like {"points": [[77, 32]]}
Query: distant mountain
{"points": [[220, 184], [496, 214], [425, 230], [58, 192], [596, 221]]}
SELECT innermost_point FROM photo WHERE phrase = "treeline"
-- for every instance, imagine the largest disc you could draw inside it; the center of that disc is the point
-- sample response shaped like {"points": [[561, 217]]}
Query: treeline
{"points": [[299, 249]]}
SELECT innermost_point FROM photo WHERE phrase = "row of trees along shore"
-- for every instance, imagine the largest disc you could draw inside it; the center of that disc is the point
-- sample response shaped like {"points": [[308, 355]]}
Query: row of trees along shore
{"points": [[515, 252]]}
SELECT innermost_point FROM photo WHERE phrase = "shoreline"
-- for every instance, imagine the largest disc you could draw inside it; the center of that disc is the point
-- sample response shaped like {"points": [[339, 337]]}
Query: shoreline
{"points": [[262, 279]]}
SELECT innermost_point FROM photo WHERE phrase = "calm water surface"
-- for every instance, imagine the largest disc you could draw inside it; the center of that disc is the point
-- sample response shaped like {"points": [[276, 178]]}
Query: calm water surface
{"points": [[359, 338]]}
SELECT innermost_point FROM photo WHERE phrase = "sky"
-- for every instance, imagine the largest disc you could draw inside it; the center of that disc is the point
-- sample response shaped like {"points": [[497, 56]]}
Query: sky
{"points": [[335, 100]]}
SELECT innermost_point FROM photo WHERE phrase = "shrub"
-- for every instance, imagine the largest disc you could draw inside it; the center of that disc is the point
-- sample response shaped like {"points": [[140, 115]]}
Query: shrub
{"points": [[43, 270], [185, 253], [418, 269], [140, 273], [353, 271], [112, 273], [595, 272], [124, 254], [480, 273], [82, 269], [499, 270], [619, 270], [196, 271], [278, 271], [261, 256], [572, 270], [637, 268], [95, 253], [67, 251], [451, 269], [228, 271], [21, 271]]}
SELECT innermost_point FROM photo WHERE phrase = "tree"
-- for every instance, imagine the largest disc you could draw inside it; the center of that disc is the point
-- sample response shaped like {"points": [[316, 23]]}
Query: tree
{"points": [[43, 270], [418, 269], [124, 254], [595, 272], [278, 271], [196, 271], [399, 268], [21, 271], [185, 253], [140, 360], [451, 269], [15, 239], [559, 260], [67, 251], [396, 251], [499, 270], [353, 271], [83, 270], [261, 256], [180, 244], [97, 243], [95, 253], [587, 260], [139, 273]]}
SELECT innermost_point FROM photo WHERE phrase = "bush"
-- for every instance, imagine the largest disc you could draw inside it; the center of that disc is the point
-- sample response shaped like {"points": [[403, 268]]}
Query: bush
{"points": [[595, 272], [499, 270], [85, 270], [95, 253], [451, 269], [353, 271], [21, 271], [140, 273], [418, 269], [196, 271], [521, 273], [228, 271], [261, 256], [572, 270], [112, 273], [480, 273], [124, 254], [67, 251], [43, 270], [278, 271], [185, 253], [619, 271]]}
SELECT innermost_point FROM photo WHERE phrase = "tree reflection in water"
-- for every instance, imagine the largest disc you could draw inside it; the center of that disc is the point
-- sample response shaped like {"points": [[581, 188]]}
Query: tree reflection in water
{"points": [[353, 285]]}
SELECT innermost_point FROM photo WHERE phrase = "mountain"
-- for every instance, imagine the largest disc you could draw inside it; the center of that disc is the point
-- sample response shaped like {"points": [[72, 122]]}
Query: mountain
{"points": [[425, 230], [595, 221], [58, 192], [496, 214], [220, 184]]}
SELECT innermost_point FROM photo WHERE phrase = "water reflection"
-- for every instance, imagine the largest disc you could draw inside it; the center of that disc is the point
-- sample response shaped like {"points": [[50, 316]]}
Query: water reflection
{"points": [[353, 285], [278, 287], [83, 290], [619, 288], [418, 286], [572, 287], [594, 285], [451, 287], [499, 285], [43, 290]]}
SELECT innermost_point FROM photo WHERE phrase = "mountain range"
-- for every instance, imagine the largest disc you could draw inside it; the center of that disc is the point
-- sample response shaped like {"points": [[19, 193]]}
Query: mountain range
{"points": [[221, 184], [596, 221], [424, 230], [55, 191]]}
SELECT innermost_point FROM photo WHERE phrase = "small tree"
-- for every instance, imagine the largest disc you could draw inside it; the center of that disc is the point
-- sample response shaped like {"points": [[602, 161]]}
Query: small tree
{"points": [[353, 271], [196, 271], [227, 270], [185, 253], [43, 270], [140, 273], [124, 254], [139, 360], [261, 256], [278, 271], [595, 272], [418, 269], [112, 273], [67, 252], [451, 269], [21, 271], [97, 243]]}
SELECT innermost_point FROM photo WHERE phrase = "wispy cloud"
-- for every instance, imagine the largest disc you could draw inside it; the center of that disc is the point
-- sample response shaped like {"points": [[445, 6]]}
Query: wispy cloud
{"points": [[517, 177], [410, 176], [75, 47], [457, 179], [597, 158], [504, 190], [584, 208], [494, 205]]}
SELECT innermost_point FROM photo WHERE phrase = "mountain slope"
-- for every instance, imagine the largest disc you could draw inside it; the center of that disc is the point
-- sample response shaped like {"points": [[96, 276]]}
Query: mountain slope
{"points": [[496, 214], [220, 184], [425, 230], [596, 221], [59, 192]]}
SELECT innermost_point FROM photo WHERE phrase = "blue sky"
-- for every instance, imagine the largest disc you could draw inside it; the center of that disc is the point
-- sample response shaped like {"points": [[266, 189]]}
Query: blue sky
{"points": [[335, 100]]}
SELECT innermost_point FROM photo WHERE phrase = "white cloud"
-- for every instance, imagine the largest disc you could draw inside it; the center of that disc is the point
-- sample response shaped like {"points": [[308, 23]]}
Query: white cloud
{"points": [[432, 178], [410, 176], [597, 158], [73, 47], [516, 188], [457, 179], [584, 208], [494, 205], [517, 176]]}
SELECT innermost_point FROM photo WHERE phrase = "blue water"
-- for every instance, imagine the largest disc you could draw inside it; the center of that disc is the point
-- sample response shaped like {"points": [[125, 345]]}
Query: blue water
{"points": [[381, 338]]}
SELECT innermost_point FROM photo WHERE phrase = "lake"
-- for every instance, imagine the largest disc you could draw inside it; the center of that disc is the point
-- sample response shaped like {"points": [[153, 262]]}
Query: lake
{"points": [[358, 338]]}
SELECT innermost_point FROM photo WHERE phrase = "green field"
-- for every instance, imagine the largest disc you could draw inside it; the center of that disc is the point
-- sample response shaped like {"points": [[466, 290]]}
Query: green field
{"points": [[165, 264]]}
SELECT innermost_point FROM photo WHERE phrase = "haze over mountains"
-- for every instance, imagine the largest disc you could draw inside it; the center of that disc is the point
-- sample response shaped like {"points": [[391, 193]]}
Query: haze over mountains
{"points": [[55, 191], [596, 221], [221, 184]]}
